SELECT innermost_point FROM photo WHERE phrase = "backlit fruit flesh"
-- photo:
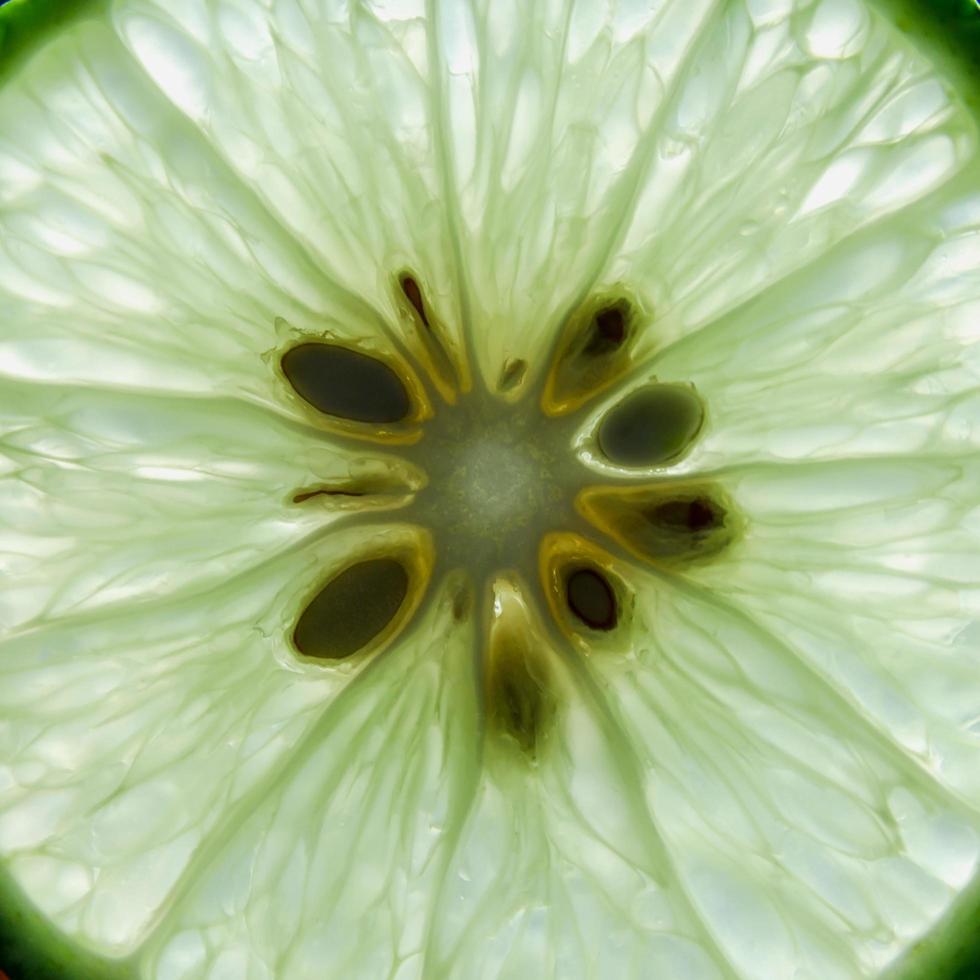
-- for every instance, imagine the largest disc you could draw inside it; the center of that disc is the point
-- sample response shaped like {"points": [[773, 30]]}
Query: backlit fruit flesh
{"points": [[489, 490]]}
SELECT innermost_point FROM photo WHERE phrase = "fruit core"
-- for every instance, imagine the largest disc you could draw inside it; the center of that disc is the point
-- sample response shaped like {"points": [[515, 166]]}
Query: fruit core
{"points": [[536, 501]]}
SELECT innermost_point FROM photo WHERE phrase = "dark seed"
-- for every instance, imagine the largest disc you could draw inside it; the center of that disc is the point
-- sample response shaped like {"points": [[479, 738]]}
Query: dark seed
{"points": [[517, 703], [651, 426], [606, 332], [352, 609], [520, 707], [512, 374], [674, 525], [593, 350], [462, 602], [591, 599], [300, 498], [413, 294], [695, 515], [435, 353], [681, 528], [375, 486], [346, 383]]}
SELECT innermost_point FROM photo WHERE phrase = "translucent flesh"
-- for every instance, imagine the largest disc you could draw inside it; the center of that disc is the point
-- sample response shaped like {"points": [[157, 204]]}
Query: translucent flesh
{"points": [[779, 777]]}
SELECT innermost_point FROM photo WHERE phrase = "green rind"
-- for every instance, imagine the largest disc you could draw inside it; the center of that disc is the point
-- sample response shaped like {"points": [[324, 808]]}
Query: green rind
{"points": [[31, 948], [949, 30], [26, 24], [951, 951]]}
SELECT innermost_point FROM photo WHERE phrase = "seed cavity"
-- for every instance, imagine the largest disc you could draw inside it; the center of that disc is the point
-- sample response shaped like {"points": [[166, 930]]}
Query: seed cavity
{"points": [[591, 599], [593, 350], [588, 599], [696, 515], [670, 524], [352, 609], [303, 496], [374, 487], [651, 426], [512, 374], [433, 349], [380, 497], [462, 601], [519, 683], [413, 293], [347, 384], [517, 697], [606, 332]]}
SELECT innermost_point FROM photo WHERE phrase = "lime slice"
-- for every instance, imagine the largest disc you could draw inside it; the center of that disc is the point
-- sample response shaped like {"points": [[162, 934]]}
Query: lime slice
{"points": [[351, 624]]}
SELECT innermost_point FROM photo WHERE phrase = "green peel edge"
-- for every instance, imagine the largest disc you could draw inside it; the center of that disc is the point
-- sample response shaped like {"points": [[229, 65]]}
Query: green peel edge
{"points": [[26, 24], [951, 950], [949, 32], [32, 948]]}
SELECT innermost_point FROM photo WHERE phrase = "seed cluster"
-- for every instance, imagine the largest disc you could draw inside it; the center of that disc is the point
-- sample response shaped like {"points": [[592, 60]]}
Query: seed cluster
{"points": [[537, 546]]}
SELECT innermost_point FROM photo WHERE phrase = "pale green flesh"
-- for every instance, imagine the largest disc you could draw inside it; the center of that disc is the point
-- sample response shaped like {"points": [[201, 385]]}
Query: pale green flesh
{"points": [[783, 775]]}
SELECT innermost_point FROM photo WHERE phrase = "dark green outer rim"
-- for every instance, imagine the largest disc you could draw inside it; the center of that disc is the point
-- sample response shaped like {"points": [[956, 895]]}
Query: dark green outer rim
{"points": [[26, 24], [948, 33], [951, 951], [950, 30], [31, 948]]}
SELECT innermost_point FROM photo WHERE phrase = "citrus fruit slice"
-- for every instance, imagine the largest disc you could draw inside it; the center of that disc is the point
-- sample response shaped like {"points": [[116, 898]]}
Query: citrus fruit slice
{"points": [[489, 489]]}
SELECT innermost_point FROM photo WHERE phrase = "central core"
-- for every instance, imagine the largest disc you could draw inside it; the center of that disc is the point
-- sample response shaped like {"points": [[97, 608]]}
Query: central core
{"points": [[498, 511], [498, 477], [494, 483]]}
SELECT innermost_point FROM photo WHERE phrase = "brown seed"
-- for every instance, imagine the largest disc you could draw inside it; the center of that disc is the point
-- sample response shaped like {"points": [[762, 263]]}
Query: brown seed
{"points": [[352, 609], [517, 702], [346, 383], [462, 603], [593, 350], [433, 350], [650, 426], [606, 332], [512, 374], [592, 599], [305, 495], [413, 294], [670, 524], [695, 515]]}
